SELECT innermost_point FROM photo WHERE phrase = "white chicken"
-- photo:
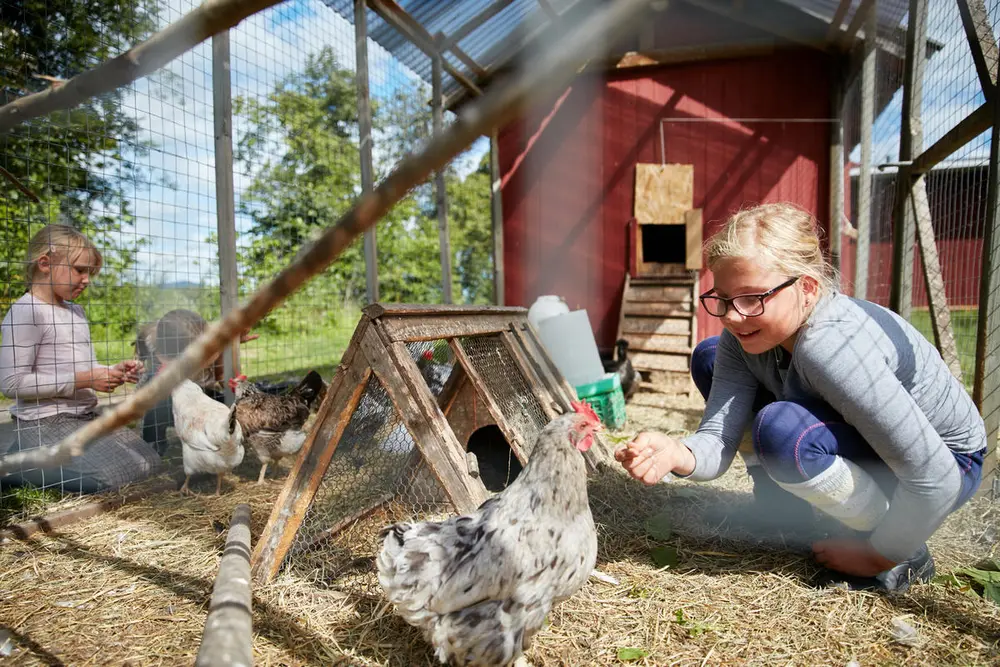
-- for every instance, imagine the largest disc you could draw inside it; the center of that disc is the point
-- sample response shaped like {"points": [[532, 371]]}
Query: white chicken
{"points": [[211, 438], [479, 586]]}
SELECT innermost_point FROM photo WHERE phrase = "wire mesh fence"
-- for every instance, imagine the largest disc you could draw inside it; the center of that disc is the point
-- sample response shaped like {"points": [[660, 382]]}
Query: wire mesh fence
{"points": [[136, 172], [949, 203]]}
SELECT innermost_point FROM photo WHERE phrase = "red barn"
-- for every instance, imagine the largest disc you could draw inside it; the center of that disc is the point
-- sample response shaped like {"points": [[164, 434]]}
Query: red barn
{"points": [[754, 122]]}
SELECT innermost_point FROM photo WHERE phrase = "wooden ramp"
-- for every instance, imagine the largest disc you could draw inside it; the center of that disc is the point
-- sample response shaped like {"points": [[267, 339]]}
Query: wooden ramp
{"points": [[659, 321]]}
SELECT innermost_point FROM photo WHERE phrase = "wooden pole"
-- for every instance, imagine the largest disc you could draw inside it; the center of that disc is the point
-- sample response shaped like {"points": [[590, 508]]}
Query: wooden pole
{"points": [[552, 71], [440, 190], [496, 214], [986, 383], [365, 139], [864, 177], [837, 171], [228, 637], [225, 204], [910, 143]]}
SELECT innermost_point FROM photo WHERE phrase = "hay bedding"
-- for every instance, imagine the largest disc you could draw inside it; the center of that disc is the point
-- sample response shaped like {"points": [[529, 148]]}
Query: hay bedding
{"points": [[132, 588]]}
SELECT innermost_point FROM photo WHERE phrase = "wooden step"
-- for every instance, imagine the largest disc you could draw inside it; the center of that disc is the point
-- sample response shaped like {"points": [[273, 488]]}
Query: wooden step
{"points": [[653, 361], [659, 294], [632, 308], [656, 325], [659, 343]]}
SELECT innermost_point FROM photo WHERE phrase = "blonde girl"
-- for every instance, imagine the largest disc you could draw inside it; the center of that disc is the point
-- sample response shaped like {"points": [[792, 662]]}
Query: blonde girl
{"points": [[850, 408], [48, 365]]}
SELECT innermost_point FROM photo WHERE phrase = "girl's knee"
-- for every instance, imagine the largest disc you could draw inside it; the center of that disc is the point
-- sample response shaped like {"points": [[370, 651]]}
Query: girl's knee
{"points": [[779, 431]]}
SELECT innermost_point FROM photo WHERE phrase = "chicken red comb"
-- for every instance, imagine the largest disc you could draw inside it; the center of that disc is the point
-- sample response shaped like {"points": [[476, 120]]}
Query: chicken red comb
{"points": [[428, 354], [583, 408]]}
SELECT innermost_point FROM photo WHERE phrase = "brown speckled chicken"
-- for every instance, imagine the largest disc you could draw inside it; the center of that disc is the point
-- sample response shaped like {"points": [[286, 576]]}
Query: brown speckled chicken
{"points": [[273, 425], [481, 585]]}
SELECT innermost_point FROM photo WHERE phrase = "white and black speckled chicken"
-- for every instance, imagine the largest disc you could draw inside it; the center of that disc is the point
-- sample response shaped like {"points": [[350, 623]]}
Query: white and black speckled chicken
{"points": [[479, 586], [274, 425]]}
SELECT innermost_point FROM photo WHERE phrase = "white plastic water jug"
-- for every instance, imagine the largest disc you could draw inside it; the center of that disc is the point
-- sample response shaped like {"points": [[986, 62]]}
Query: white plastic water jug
{"points": [[569, 340], [546, 306]]}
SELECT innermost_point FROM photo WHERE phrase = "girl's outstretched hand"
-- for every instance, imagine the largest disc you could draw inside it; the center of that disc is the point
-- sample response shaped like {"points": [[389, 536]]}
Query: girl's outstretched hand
{"points": [[130, 369], [650, 456]]}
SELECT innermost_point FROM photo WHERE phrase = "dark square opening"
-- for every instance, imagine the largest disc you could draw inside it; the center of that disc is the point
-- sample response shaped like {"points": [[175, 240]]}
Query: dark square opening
{"points": [[665, 244]]}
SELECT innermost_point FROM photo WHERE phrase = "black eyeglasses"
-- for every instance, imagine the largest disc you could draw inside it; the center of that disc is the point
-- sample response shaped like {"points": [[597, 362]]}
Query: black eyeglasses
{"points": [[747, 305]]}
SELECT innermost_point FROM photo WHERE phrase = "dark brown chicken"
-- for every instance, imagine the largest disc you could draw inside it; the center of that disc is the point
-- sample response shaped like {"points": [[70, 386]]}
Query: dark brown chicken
{"points": [[273, 425]]}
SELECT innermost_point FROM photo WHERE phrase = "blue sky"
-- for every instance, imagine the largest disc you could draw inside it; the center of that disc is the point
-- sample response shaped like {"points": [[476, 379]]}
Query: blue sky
{"points": [[178, 211], [951, 92]]}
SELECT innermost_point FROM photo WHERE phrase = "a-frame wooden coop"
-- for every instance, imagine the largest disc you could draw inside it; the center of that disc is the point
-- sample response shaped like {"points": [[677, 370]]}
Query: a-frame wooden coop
{"points": [[418, 388]]}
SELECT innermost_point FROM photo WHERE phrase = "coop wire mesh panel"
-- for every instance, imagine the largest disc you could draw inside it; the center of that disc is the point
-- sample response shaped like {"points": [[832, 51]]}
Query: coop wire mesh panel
{"points": [[376, 477], [494, 363]]}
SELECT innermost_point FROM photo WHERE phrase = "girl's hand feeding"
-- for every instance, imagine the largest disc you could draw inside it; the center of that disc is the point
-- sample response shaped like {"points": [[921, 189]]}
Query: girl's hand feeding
{"points": [[100, 378], [130, 369], [650, 456]]}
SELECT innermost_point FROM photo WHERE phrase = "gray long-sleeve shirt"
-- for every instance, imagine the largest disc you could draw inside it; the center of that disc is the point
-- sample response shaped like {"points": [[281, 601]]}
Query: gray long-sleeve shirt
{"points": [[885, 379]]}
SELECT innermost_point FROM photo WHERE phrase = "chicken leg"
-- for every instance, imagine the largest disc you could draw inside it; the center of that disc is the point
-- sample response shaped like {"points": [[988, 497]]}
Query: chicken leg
{"points": [[263, 471], [218, 484], [185, 491]]}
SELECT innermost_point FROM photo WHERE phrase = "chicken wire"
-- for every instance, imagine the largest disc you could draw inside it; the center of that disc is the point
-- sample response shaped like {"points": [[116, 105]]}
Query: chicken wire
{"points": [[509, 388], [136, 171], [376, 476]]}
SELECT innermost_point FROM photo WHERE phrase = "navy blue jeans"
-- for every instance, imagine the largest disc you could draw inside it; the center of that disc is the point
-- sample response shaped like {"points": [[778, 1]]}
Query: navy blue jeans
{"points": [[797, 440]]}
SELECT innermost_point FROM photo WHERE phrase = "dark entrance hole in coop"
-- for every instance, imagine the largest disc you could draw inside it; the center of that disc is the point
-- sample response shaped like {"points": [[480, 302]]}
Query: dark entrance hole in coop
{"points": [[664, 243], [498, 466]]}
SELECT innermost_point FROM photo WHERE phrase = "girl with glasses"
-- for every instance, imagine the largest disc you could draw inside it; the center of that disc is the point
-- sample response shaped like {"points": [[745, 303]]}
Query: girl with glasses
{"points": [[850, 408]]}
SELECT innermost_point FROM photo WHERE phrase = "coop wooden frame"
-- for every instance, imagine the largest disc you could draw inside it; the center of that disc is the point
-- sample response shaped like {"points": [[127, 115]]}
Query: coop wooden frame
{"points": [[378, 347]]}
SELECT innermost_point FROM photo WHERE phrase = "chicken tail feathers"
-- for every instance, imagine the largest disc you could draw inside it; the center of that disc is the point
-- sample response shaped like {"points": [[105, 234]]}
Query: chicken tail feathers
{"points": [[483, 634]]}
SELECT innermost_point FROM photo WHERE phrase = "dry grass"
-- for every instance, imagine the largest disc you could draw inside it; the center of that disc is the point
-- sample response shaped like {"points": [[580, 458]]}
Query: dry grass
{"points": [[132, 588]]}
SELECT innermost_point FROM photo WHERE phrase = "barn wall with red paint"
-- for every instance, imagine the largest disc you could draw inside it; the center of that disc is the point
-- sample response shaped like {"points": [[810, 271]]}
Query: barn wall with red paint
{"points": [[568, 170]]}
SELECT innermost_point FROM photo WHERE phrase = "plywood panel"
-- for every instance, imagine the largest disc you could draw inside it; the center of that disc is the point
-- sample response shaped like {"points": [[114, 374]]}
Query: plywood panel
{"points": [[693, 222], [663, 193]]}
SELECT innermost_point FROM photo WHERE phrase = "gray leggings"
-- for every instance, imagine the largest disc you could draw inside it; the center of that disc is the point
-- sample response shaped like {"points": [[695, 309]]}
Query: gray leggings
{"points": [[112, 461]]}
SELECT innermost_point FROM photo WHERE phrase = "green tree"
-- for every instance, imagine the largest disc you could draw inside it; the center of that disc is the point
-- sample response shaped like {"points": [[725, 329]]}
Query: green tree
{"points": [[81, 163], [78, 163]]}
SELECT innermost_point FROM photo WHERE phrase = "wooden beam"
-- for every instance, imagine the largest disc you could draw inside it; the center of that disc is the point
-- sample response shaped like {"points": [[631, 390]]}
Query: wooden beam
{"points": [[688, 54], [967, 129], [472, 24], [837, 171], [496, 220], [314, 458], [225, 202], [944, 336], [837, 20], [228, 635], [515, 346], [57, 520], [365, 140], [423, 418], [910, 141], [467, 60], [435, 327], [982, 43], [409, 27], [864, 177], [397, 310], [861, 17], [440, 188]]}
